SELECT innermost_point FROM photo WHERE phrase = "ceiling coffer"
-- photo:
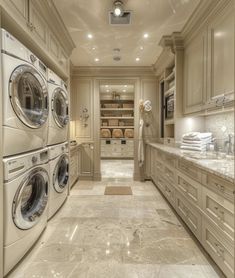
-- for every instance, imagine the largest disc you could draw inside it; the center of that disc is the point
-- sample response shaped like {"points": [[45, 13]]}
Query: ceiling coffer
{"points": [[118, 16]]}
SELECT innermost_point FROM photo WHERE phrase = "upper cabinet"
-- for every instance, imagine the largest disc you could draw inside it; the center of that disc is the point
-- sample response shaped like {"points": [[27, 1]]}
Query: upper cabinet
{"points": [[221, 55], [38, 25], [209, 62], [195, 74]]}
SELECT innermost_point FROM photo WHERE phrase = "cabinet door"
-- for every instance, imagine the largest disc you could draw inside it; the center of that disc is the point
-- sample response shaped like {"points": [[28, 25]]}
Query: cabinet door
{"points": [[220, 250], [39, 26], [194, 93], [86, 160], [20, 9], [220, 211], [221, 54], [189, 214]]}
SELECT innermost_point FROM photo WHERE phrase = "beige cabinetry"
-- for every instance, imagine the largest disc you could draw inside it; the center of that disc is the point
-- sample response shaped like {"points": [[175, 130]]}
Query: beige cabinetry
{"points": [[221, 54], [74, 165], [86, 161], [117, 148], [204, 201], [195, 74], [209, 63], [38, 21]]}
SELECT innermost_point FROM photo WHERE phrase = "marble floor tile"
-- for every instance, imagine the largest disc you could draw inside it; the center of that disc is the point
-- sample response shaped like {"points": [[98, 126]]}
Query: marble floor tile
{"points": [[98, 236]]}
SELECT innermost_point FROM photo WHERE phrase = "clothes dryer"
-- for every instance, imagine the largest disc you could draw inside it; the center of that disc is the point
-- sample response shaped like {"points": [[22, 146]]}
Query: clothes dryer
{"points": [[25, 98], [26, 185], [59, 176], [58, 109]]}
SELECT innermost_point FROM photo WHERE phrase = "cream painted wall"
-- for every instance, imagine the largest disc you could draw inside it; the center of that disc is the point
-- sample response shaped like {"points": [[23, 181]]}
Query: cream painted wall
{"points": [[85, 93]]}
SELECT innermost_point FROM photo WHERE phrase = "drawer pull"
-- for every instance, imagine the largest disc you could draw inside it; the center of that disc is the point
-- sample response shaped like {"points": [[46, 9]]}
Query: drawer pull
{"points": [[216, 208], [222, 188]]}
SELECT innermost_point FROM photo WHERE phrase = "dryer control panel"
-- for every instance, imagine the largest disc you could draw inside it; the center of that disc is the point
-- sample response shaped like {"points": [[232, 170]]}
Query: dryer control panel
{"points": [[17, 165]]}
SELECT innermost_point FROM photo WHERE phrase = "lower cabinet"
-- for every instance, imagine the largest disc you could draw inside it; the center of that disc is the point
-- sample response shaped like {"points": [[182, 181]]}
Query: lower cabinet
{"points": [[74, 166], [86, 161], [189, 214], [204, 201], [221, 250], [115, 148]]}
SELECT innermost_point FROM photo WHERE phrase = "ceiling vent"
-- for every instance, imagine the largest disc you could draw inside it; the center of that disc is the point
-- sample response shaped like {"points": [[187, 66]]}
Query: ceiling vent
{"points": [[125, 19]]}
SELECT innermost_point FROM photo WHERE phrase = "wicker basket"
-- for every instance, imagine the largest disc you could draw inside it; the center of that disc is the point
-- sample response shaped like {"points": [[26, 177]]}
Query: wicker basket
{"points": [[129, 133], [117, 133], [105, 133], [128, 105], [113, 122]]}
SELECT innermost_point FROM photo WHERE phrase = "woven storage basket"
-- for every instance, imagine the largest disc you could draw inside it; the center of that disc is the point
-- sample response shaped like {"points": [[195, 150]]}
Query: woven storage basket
{"points": [[113, 122], [128, 105], [117, 133], [105, 133], [129, 133]]}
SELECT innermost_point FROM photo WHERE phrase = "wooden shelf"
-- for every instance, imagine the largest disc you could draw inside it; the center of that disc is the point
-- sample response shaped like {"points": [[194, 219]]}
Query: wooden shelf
{"points": [[169, 122], [113, 126], [113, 117], [117, 109]]}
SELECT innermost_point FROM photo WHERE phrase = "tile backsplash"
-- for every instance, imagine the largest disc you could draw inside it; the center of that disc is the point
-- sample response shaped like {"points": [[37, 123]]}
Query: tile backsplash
{"points": [[220, 125]]}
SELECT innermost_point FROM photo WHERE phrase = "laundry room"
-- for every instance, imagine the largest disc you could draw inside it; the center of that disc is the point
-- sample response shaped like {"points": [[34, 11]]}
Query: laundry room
{"points": [[117, 138]]}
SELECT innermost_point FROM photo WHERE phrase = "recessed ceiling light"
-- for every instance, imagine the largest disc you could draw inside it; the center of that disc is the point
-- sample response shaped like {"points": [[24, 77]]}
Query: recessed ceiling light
{"points": [[97, 59], [107, 91], [137, 59], [146, 35], [124, 91], [90, 36], [106, 86], [93, 48], [125, 86], [141, 48]]}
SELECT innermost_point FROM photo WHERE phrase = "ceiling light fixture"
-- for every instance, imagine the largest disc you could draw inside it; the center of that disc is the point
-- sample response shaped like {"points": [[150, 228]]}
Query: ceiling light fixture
{"points": [[137, 59], [146, 35], [97, 59], [106, 86], [125, 86], [118, 8], [90, 36], [124, 91], [141, 48]]}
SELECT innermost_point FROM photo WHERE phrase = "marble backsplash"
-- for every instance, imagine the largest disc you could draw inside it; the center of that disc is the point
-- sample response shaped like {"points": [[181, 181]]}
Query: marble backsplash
{"points": [[220, 125]]}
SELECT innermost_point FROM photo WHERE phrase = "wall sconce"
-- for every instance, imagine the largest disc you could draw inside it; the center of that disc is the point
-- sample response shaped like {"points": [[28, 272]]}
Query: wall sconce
{"points": [[84, 117]]}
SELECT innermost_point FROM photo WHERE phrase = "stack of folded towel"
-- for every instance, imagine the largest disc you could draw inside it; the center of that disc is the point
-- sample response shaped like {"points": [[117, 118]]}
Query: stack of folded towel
{"points": [[196, 141]]}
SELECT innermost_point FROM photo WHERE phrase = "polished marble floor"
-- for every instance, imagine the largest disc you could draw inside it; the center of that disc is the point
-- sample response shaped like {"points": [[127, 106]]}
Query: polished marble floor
{"points": [[98, 236], [115, 168]]}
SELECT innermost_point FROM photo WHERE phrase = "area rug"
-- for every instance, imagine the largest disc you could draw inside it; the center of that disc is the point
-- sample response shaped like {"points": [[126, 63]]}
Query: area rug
{"points": [[118, 190]]}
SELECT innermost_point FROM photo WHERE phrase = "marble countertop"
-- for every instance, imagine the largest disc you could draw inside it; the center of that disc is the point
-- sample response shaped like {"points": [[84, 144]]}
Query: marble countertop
{"points": [[221, 167]]}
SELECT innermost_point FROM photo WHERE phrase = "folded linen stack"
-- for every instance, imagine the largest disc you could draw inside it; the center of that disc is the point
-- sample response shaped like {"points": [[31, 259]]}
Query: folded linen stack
{"points": [[196, 141]]}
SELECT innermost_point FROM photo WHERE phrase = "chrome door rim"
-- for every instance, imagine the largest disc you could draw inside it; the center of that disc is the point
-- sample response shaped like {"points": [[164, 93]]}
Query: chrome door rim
{"points": [[34, 218], [59, 188], [60, 123], [13, 91]]}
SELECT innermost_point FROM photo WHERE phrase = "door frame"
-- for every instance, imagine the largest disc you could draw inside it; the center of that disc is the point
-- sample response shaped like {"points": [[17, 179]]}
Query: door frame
{"points": [[137, 96]]}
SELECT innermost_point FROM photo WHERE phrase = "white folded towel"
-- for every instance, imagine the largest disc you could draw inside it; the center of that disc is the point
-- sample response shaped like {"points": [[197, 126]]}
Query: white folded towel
{"points": [[203, 141], [197, 136], [200, 145], [193, 148]]}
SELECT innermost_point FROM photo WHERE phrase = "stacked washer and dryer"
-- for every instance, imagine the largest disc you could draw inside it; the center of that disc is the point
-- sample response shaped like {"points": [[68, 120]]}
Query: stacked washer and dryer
{"points": [[35, 148]]}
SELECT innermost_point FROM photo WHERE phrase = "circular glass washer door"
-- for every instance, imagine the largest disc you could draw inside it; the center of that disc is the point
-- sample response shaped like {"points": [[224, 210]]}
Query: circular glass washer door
{"points": [[29, 96], [59, 106], [61, 174], [31, 199]]}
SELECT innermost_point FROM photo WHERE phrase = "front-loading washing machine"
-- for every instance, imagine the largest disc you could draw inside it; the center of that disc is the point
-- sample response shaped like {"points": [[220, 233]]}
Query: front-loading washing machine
{"points": [[58, 109], [26, 186], [59, 176], [25, 98]]}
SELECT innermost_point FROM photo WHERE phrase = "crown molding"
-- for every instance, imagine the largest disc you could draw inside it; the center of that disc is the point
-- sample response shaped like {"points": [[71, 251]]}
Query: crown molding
{"points": [[201, 16], [110, 71]]}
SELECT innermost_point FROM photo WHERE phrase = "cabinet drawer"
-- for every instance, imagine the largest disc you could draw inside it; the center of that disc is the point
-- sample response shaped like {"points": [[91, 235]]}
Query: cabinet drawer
{"points": [[189, 170], [169, 192], [219, 210], [169, 175], [219, 185], [219, 249], [189, 214], [169, 160], [159, 167], [189, 188]]}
